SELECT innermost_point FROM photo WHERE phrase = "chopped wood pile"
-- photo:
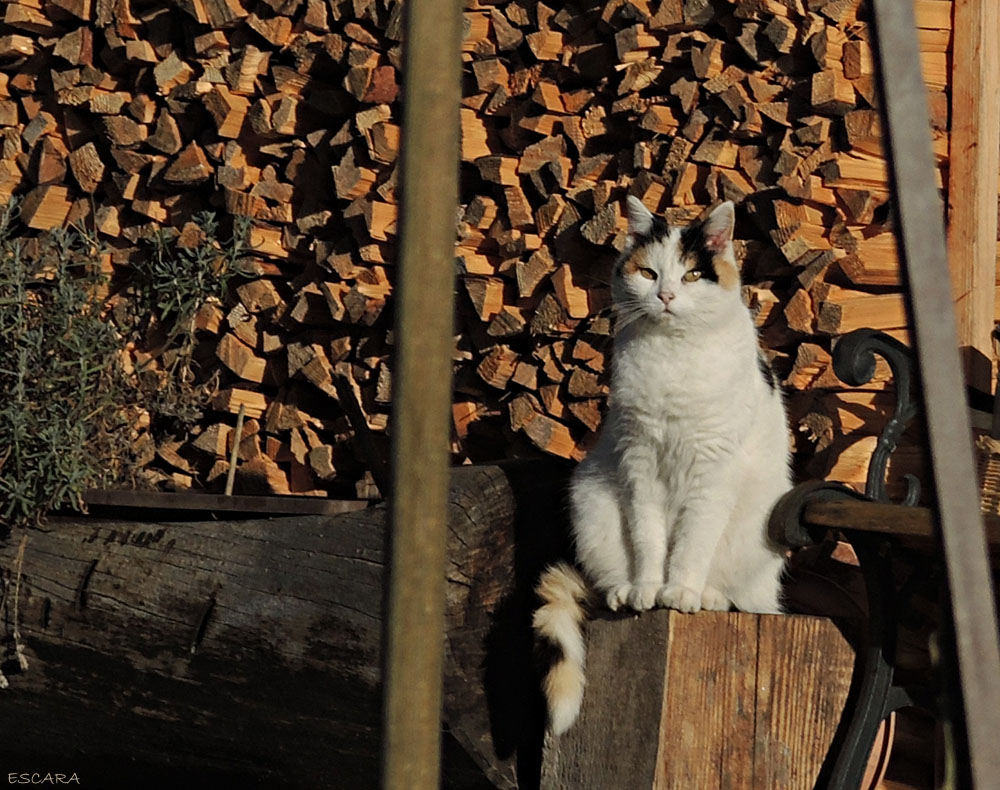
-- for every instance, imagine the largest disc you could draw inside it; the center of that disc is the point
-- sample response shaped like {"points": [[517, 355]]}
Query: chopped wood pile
{"points": [[288, 112]]}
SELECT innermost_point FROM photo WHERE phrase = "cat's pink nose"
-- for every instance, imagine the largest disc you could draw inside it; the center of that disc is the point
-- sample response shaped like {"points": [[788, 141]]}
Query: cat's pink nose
{"points": [[666, 297]]}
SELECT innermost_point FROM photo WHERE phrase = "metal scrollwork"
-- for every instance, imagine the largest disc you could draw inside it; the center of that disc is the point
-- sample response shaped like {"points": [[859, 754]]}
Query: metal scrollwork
{"points": [[787, 527], [854, 364]]}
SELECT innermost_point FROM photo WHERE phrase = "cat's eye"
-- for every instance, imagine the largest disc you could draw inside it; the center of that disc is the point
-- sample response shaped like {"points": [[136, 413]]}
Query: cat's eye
{"points": [[691, 276], [648, 273]]}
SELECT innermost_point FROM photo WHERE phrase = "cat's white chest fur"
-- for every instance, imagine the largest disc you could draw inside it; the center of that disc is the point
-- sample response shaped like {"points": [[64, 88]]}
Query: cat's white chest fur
{"points": [[683, 389]]}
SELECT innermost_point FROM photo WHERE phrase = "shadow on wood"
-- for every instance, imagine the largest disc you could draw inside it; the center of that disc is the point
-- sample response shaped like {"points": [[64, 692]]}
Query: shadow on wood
{"points": [[246, 653]]}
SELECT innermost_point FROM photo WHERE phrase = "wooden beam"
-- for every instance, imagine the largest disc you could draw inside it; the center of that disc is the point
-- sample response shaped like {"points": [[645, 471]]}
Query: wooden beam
{"points": [[421, 414], [905, 522], [974, 161], [126, 597], [198, 502]]}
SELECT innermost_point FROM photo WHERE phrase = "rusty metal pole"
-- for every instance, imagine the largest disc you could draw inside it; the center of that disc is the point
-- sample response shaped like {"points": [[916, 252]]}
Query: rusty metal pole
{"points": [[922, 247], [421, 427]]}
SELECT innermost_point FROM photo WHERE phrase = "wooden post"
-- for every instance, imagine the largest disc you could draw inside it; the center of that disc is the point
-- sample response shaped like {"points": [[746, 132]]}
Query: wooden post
{"points": [[709, 701], [234, 456], [974, 161], [422, 400]]}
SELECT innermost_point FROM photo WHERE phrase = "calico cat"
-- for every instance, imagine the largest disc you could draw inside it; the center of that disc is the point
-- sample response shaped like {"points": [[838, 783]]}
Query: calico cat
{"points": [[670, 507]]}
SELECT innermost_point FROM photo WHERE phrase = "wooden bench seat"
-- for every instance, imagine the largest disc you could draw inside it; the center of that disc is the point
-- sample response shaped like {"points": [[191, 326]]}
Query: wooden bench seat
{"points": [[912, 525]]}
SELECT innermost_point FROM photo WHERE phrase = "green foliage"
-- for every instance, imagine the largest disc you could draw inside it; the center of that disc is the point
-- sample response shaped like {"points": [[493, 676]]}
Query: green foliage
{"points": [[171, 284], [66, 403], [174, 279], [62, 428]]}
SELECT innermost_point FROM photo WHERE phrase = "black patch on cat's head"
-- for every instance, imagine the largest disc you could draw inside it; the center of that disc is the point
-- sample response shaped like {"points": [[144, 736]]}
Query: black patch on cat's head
{"points": [[658, 231], [766, 372], [693, 247]]}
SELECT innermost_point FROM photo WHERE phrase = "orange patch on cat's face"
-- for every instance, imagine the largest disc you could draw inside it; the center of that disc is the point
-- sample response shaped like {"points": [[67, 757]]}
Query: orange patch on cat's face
{"points": [[726, 271], [639, 259]]}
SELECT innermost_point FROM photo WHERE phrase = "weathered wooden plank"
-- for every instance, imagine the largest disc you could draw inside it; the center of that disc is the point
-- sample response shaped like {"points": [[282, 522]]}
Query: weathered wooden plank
{"points": [[911, 522], [804, 670], [708, 722], [613, 744], [973, 180], [248, 651], [236, 503]]}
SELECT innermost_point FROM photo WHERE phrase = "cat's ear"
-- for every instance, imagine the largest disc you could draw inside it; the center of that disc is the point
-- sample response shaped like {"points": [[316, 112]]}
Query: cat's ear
{"points": [[640, 219], [718, 226]]}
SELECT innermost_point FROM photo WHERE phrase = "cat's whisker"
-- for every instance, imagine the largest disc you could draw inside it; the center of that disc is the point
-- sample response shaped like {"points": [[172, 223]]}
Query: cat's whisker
{"points": [[630, 309], [628, 312], [625, 318], [593, 278]]}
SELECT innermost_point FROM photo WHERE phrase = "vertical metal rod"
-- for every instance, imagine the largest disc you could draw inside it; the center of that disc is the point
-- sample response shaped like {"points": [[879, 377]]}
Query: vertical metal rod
{"points": [[414, 635], [922, 245]]}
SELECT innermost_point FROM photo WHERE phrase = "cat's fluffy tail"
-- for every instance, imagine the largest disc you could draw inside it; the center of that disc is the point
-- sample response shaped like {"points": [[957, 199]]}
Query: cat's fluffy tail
{"points": [[558, 623]]}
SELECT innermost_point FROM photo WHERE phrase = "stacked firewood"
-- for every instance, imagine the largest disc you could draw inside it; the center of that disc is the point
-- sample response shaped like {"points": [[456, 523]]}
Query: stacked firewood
{"points": [[770, 104], [288, 112]]}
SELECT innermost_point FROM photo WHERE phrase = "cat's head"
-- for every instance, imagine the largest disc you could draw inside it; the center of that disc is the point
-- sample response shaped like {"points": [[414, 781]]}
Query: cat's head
{"points": [[676, 276]]}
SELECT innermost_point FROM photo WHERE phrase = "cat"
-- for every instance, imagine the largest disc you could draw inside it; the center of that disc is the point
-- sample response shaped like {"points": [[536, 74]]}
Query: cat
{"points": [[670, 506]]}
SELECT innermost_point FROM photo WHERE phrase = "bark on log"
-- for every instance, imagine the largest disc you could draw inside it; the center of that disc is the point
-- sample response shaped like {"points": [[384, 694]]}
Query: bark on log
{"points": [[246, 653]]}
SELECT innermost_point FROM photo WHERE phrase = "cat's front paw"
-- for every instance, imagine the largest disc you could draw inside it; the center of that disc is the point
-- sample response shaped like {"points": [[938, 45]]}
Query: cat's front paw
{"points": [[642, 597], [617, 597], [714, 601], [675, 596]]}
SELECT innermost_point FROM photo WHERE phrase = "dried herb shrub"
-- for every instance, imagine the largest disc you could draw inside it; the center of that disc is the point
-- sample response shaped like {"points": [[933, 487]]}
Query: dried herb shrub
{"points": [[182, 269], [64, 417], [76, 409], [177, 276]]}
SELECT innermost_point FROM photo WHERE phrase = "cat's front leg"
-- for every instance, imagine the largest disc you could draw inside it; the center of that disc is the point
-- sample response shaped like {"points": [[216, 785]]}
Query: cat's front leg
{"points": [[645, 508], [706, 513], [618, 596], [597, 529]]}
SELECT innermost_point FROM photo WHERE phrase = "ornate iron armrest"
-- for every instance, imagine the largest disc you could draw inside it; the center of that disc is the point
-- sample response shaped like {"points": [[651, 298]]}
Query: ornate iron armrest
{"points": [[854, 364], [877, 696]]}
